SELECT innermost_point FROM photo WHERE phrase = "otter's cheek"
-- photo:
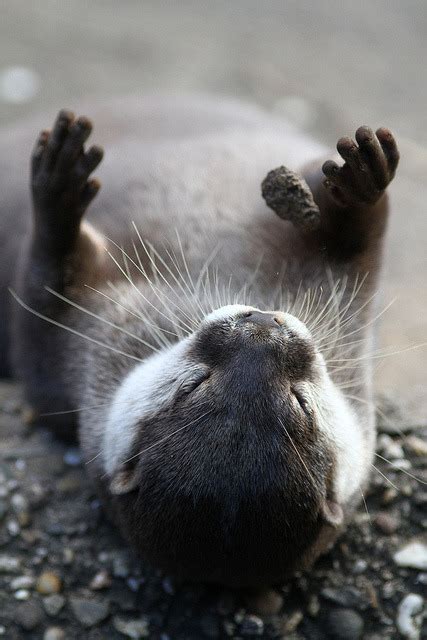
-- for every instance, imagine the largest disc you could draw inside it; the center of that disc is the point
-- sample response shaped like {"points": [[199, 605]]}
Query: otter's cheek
{"points": [[339, 425]]}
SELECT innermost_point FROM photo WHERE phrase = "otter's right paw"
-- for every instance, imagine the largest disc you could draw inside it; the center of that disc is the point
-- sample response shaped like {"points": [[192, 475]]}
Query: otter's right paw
{"points": [[60, 170], [369, 167]]}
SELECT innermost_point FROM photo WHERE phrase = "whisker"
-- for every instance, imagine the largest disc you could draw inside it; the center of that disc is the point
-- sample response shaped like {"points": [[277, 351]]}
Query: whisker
{"points": [[396, 466], [100, 318], [71, 330]]}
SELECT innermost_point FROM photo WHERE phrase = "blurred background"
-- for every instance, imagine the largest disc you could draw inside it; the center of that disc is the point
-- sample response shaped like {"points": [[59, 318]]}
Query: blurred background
{"points": [[327, 66]]}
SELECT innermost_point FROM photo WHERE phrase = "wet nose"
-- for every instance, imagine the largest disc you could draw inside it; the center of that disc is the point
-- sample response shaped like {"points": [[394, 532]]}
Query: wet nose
{"points": [[263, 319]]}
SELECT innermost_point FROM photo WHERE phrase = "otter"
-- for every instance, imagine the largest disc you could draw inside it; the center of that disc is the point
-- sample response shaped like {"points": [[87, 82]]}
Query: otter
{"points": [[214, 355]]}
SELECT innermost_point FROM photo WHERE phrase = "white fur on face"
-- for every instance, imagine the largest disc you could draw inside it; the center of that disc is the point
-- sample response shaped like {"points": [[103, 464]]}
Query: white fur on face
{"points": [[339, 425], [143, 392]]}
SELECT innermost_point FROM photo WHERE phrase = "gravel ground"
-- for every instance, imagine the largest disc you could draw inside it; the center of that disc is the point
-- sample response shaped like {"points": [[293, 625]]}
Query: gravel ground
{"points": [[65, 573]]}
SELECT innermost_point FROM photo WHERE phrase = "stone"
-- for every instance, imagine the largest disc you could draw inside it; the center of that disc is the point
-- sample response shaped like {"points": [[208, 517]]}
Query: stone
{"points": [[53, 604], [121, 568], [72, 457], [22, 582], [9, 564], [344, 624], [293, 621], [54, 633], [413, 555], [251, 626], [348, 597], [29, 615], [409, 616], [135, 629], [22, 594], [389, 448], [416, 445], [48, 582], [101, 580], [13, 527], [89, 612], [386, 523]]}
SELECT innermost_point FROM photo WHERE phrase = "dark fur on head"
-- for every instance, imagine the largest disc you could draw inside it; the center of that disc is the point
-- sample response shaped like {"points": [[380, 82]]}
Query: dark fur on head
{"points": [[242, 505]]}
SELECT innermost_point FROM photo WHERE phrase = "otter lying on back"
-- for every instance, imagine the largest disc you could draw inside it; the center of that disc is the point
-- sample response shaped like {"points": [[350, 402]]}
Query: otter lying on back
{"points": [[217, 354]]}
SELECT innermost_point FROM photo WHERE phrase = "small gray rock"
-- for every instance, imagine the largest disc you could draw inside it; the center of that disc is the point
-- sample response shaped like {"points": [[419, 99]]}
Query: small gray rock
{"points": [[54, 633], [344, 624], [22, 582], [89, 612], [134, 629], [348, 597], [29, 615], [9, 564], [53, 604], [251, 626], [386, 523], [121, 565]]}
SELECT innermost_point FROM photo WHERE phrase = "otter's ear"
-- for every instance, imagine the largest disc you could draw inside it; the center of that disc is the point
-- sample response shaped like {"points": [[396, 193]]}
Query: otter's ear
{"points": [[332, 513], [124, 481]]}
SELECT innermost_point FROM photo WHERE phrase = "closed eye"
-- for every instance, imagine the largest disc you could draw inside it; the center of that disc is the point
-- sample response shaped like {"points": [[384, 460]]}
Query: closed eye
{"points": [[302, 402], [190, 385]]}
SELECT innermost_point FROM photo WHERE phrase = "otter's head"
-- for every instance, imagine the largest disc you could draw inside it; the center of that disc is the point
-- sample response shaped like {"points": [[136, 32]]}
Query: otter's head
{"points": [[230, 454]]}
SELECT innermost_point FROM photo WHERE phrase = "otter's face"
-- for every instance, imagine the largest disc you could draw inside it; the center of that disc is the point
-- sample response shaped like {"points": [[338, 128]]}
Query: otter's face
{"points": [[222, 452]]}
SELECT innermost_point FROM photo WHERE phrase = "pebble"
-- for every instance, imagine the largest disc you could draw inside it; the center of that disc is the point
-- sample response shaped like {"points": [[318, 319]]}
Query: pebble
{"points": [[389, 495], [348, 597], [13, 527], [9, 564], [101, 580], [387, 523], [121, 567], [265, 603], [412, 555], [72, 457], [22, 594], [409, 616], [313, 606], [132, 628], [54, 633], [359, 567], [389, 448], [344, 624], [53, 604], [416, 445], [22, 582], [292, 622], [29, 615], [48, 582], [168, 586], [252, 626], [67, 556], [89, 612], [134, 583]]}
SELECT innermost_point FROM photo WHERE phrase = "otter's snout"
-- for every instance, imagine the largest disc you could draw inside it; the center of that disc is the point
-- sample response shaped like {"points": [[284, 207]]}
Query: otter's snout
{"points": [[268, 320]]}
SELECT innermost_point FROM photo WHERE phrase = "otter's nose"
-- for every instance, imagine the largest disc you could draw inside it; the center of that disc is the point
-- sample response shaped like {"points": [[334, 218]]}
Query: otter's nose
{"points": [[263, 319]]}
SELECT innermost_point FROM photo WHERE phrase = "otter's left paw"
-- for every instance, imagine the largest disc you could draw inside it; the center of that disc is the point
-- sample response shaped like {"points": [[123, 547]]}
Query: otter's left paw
{"points": [[369, 167]]}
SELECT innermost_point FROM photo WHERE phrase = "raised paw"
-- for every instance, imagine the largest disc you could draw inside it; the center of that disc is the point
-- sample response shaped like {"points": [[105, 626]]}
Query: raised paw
{"points": [[60, 170], [369, 166]]}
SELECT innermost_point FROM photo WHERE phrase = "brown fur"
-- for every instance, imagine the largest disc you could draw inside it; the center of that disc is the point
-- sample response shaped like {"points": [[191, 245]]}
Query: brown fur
{"points": [[228, 517]]}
